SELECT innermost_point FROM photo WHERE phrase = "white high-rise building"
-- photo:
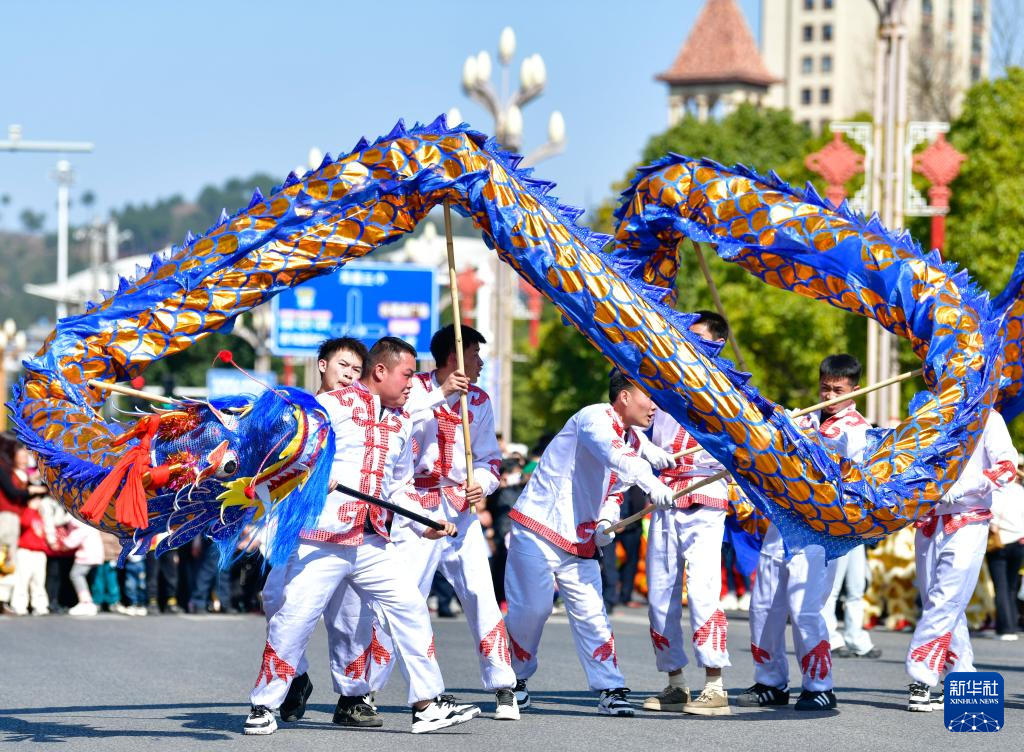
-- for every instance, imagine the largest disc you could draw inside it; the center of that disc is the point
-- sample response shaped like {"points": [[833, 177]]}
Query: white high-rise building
{"points": [[823, 52]]}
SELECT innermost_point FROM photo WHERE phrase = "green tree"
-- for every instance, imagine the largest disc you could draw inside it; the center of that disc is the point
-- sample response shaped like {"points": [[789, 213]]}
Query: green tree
{"points": [[782, 336], [32, 221], [985, 226]]}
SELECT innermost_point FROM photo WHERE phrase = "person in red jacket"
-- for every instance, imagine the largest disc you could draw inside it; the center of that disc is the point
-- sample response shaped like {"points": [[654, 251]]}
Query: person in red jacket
{"points": [[30, 565]]}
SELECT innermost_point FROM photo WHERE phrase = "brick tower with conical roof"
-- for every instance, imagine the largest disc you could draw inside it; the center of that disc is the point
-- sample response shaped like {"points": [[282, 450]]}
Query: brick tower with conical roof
{"points": [[718, 67]]}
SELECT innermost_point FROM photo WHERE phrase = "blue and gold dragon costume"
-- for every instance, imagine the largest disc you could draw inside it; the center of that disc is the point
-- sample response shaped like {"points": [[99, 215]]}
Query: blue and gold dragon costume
{"points": [[201, 468]]}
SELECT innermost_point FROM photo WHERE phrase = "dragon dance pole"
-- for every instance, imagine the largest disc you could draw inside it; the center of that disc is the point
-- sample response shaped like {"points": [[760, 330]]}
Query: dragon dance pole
{"points": [[834, 401], [623, 524], [391, 507], [706, 270], [459, 357]]}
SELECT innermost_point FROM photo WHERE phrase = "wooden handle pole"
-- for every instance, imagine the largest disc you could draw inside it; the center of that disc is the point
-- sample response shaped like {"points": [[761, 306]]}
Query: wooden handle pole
{"points": [[129, 392], [706, 270], [459, 355], [623, 524], [834, 401]]}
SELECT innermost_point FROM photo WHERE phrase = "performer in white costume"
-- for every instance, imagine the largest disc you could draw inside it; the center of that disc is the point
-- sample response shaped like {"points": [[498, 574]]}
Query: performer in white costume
{"points": [[571, 497], [950, 548], [349, 546], [798, 586], [340, 363], [692, 533], [440, 488]]}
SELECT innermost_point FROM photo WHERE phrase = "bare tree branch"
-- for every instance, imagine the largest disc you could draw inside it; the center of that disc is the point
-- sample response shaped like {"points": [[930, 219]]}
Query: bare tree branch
{"points": [[1007, 33]]}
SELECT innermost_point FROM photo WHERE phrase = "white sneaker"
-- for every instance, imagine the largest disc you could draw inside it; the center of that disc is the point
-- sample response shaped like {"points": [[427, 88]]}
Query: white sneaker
{"points": [[729, 602], [83, 608], [1009, 637], [744, 602], [505, 706], [122, 609], [441, 713], [139, 610], [260, 721], [614, 702]]}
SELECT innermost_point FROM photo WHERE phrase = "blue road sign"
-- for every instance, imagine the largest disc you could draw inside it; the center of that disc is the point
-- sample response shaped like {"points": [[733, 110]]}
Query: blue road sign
{"points": [[365, 301], [227, 382]]}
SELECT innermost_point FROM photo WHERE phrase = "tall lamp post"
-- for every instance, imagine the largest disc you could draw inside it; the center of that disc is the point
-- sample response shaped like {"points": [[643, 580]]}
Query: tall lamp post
{"points": [[505, 108], [12, 345]]}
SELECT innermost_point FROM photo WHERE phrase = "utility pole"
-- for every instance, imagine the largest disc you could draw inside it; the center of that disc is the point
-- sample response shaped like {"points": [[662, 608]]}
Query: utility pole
{"points": [[890, 116], [64, 178]]}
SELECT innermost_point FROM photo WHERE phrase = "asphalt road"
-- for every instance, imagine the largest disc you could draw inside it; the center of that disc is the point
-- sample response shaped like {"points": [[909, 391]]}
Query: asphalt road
{"points": [[116, 683]]}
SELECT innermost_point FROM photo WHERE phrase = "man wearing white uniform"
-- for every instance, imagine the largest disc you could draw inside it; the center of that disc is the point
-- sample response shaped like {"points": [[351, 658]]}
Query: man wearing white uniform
{"points": [[349, 546], [797, 587], [340, 362], [849, 573], [692, 533], [440, 488], [950, 548], [558, 523]]}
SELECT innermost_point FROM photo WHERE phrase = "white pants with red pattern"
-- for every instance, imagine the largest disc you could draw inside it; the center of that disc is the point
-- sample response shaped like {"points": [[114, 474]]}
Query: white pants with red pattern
{"points": [[318, 572], [948, 565], [353, 629], [463, 561], [796, 588], [534, 566], [693, 535]]}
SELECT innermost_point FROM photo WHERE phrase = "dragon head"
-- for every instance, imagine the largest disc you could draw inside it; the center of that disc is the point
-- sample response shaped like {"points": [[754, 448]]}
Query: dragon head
{"points": [[261, 460], [258, 450]]}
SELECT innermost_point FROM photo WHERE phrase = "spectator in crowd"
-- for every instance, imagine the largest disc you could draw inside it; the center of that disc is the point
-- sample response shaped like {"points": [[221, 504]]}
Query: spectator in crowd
{"points": [[16, 489], [618, 578], [106, 593], [162, 581], [248, 574], [87, 543], [499, 504], [737, 585], [135, 585], [209, 578], [30, 565], [1005, 555]]}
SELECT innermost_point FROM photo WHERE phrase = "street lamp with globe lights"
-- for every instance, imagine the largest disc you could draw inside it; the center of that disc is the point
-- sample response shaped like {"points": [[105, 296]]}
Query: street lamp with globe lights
{"points": [[506, 110]]}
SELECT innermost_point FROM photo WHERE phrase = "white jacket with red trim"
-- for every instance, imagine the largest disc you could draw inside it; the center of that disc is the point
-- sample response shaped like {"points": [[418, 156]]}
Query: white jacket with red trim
{"points": [[372, 454], [580, 478], [847, 433], [673, 438], [439, 447], [846, 430], [993, 464]]}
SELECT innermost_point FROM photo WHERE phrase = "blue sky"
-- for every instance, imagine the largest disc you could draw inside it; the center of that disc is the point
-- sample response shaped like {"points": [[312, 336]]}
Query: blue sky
{"points": [[179, 95]]}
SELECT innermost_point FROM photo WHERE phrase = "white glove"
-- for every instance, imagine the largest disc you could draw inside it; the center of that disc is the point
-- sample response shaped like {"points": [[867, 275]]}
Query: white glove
{"points": [[602, 538], [658, 457], [662, 496]]}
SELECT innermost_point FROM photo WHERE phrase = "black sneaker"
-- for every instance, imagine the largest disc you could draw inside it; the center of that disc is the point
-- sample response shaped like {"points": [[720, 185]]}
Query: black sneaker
{"points": [[808, 700], [260, 721], [843, 652], [939, 700], [356, 711], [614, 702], [873, 653], [294, 705], [920, 700], [522, 694], [763, 696], [441, 713]]}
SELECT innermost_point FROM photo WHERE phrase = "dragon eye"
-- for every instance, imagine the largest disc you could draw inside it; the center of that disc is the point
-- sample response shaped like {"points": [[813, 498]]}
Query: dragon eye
{"points": [[228, 465]]}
